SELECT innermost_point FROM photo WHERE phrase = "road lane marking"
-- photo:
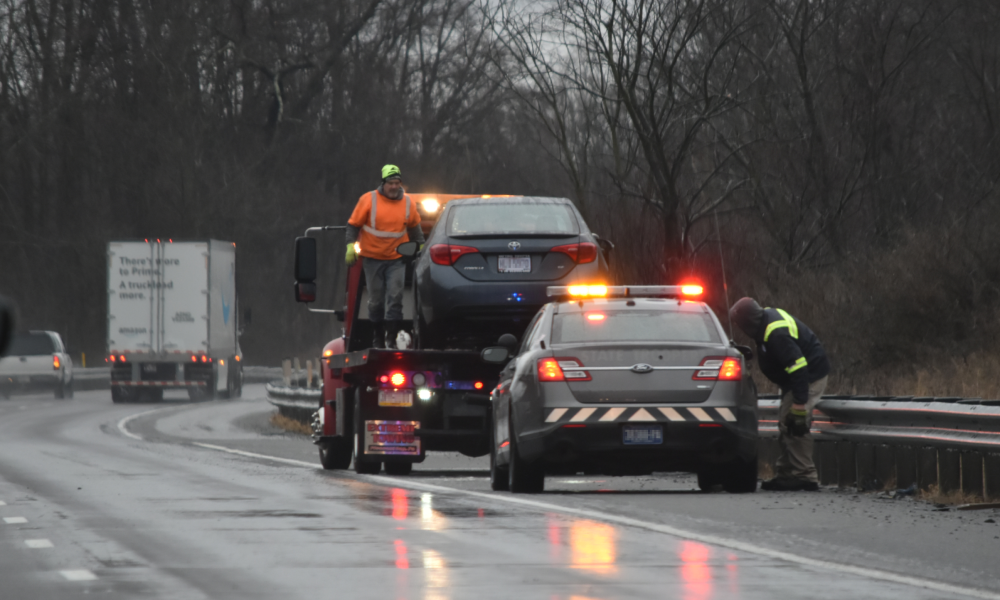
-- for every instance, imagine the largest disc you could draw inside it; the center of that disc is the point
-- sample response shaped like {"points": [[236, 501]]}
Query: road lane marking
{"points": [[2, 503], [123, 424], [715, 540], [78, 575], [42, 543], [14, 520]]}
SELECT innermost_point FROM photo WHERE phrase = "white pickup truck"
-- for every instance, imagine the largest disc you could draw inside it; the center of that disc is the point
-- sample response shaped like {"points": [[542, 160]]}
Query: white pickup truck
{"points": [[172, 316], [37, 360]]}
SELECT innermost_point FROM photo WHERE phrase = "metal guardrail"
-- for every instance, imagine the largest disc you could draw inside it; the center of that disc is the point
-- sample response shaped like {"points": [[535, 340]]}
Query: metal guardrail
{"points": [[950, 422], [294, 402]]}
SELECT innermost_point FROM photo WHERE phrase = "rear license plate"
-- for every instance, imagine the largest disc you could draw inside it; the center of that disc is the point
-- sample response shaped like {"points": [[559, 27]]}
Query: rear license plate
{"points": [[395, 397], [508, 263], [392, 437], [636, 435]]}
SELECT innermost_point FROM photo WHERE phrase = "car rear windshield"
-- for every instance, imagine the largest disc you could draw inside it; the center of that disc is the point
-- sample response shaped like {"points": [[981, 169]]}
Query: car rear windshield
{"points": [[29, 344], [520, 219], [634, 326]]}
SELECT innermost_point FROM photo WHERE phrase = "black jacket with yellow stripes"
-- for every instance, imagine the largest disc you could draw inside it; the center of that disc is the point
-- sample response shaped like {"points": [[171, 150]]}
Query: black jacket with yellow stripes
{"points": [[789, 353]]}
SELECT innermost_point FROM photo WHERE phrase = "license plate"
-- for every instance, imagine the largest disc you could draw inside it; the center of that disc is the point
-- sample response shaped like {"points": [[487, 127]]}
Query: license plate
{"points": [[509, 263], [636, 435], [392, 437], [395, 397]]}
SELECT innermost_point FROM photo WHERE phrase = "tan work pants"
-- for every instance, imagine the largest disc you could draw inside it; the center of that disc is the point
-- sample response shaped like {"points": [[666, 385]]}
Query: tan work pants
{"points": [[796, 457]]}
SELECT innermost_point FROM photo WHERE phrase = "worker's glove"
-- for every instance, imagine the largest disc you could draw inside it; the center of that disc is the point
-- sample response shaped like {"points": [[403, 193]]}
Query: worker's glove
{"points": [[352, 255], [796, 423], [421, 248]]}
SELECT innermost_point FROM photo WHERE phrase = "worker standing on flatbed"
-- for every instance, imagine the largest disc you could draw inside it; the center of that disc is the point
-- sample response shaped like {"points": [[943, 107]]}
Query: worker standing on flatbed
{"points": [[382, 220]]}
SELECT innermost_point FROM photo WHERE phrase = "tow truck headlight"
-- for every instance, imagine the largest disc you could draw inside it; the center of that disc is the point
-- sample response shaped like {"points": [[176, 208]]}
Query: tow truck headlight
{"points": [[430, 205]]}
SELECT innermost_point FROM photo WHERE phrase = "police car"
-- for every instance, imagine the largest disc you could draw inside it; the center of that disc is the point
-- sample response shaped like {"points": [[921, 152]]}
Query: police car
{"points": [[624, 380]]}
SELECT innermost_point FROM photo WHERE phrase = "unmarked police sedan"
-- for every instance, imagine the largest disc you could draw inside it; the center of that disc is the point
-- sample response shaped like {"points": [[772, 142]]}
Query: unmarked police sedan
{"points": [[624, 381]]}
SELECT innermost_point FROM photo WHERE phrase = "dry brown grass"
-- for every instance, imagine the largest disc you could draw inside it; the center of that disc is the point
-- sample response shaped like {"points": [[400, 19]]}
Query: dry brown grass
{"points": [[282, 422], [953, 498]]}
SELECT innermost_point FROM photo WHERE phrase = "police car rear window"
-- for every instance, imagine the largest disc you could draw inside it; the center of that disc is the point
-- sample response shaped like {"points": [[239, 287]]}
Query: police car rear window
{"points": [[505, 219], [634, 326], [30, 344]]}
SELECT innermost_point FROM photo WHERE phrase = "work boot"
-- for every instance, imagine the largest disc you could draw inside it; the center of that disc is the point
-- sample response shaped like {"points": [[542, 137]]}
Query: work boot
{"points": [[378, 340], [391, 330], [789, 484]]}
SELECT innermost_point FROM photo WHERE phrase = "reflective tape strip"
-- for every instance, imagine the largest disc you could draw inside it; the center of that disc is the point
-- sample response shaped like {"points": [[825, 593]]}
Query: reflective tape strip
{"points": [[612, 414], [386, 234], [798, 365], [772, 327], [792, 327], [671, 414], [555, 415], [642, 415], [383, 234], [726, 414], [582, 414], [700, 414]]}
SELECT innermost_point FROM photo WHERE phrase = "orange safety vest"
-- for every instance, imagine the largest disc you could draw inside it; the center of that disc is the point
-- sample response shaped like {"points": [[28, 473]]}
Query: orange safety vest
{"points": [[383, 223]]}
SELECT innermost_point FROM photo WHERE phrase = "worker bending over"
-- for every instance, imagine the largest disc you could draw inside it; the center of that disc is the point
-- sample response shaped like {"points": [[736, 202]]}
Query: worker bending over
{"points": [[790, 355], [382, 220]]}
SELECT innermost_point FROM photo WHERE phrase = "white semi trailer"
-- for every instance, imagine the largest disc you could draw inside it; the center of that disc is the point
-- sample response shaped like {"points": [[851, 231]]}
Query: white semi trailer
{"points": [[172, 319]]}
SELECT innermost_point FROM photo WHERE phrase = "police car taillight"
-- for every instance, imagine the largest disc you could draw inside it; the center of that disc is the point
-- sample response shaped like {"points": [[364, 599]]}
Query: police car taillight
{"points": [[716, 368], [562, 369]]}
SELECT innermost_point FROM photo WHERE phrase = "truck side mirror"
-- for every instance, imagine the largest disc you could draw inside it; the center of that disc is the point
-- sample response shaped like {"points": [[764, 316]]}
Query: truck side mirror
{"points": [[408, 249], [495, 354], [6, 324], [305, 259]]}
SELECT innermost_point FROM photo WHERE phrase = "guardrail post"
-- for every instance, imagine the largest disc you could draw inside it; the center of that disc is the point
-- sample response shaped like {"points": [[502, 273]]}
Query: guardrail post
{"points": [[972, 474], [864, 459], [847, 468], [949, 470], [296, 369], [991, 476], [825, 457], [309, 373], [906, 466], [286, 372], [927, 468], [885, 467]]}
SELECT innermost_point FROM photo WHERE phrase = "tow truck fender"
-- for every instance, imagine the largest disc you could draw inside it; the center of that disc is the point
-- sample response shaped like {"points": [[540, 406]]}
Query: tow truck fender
{"points": [[333, 380]]}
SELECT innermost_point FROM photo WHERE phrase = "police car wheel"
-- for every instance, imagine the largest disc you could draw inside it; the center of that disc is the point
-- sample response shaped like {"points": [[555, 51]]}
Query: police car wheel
{"points": [[523, 477]]}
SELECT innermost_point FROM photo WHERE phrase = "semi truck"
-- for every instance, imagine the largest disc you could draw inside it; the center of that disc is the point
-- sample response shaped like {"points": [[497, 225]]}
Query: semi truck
{"points": [[390, 406], [172, 319]]}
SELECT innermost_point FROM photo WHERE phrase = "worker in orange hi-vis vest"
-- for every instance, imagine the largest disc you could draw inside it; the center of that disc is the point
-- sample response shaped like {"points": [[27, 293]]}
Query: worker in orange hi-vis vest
{"points": [[383, 219]]}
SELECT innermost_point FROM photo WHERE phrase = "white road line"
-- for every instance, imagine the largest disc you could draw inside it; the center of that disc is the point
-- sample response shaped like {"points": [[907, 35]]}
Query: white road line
{"points": [[78, 575], [671, 414], [612, 414], [42, 543], [582, 414], [14, 520], [2, 503], [716, 540], [555, 415], [123, 424]]}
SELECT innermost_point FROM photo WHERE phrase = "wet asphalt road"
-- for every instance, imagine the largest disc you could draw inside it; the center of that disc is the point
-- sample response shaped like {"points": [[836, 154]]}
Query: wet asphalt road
{"points": [[179, 500]]}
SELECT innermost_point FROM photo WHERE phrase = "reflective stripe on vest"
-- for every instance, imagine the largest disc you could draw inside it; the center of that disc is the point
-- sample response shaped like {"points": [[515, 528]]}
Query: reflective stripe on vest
{"points": [[797, 365], [386, 234], [789, 322]]}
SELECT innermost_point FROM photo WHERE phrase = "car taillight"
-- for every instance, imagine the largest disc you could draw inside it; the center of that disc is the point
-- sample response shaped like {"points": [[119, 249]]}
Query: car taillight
{"points": [[55, 362], [581, 253], [562, 369], [447, 254], [719, 369], [112, 357]]}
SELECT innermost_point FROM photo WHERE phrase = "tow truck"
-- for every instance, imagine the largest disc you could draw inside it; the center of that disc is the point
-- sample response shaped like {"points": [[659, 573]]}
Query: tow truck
{"points": [[390, 406]]}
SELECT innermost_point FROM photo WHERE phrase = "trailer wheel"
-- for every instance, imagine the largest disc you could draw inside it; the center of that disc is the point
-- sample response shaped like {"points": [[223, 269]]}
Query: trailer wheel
{"points": [[335, 455], [362, 464]]}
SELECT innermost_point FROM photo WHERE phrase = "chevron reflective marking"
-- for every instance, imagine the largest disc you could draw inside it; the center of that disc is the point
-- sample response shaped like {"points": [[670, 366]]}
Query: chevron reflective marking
{"points": [[582, 415], [612, 414], [642, 415], [555, 415], [700, 414], [726, 414], [671, 414]]}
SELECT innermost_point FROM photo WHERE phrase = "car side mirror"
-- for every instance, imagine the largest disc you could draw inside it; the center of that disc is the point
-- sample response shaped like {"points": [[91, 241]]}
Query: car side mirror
{"points": [[408, 249], [745, 351], [508, 341], [606, 245], [495, 354], [6, 324]]}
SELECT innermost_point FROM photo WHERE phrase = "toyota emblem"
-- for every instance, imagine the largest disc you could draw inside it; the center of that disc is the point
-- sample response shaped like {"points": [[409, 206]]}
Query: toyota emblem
{"points": [[514, 245]]}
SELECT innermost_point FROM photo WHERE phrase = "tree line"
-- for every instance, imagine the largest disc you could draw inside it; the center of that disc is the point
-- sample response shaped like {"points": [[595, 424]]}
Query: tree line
{"points": [[837, 158]]}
